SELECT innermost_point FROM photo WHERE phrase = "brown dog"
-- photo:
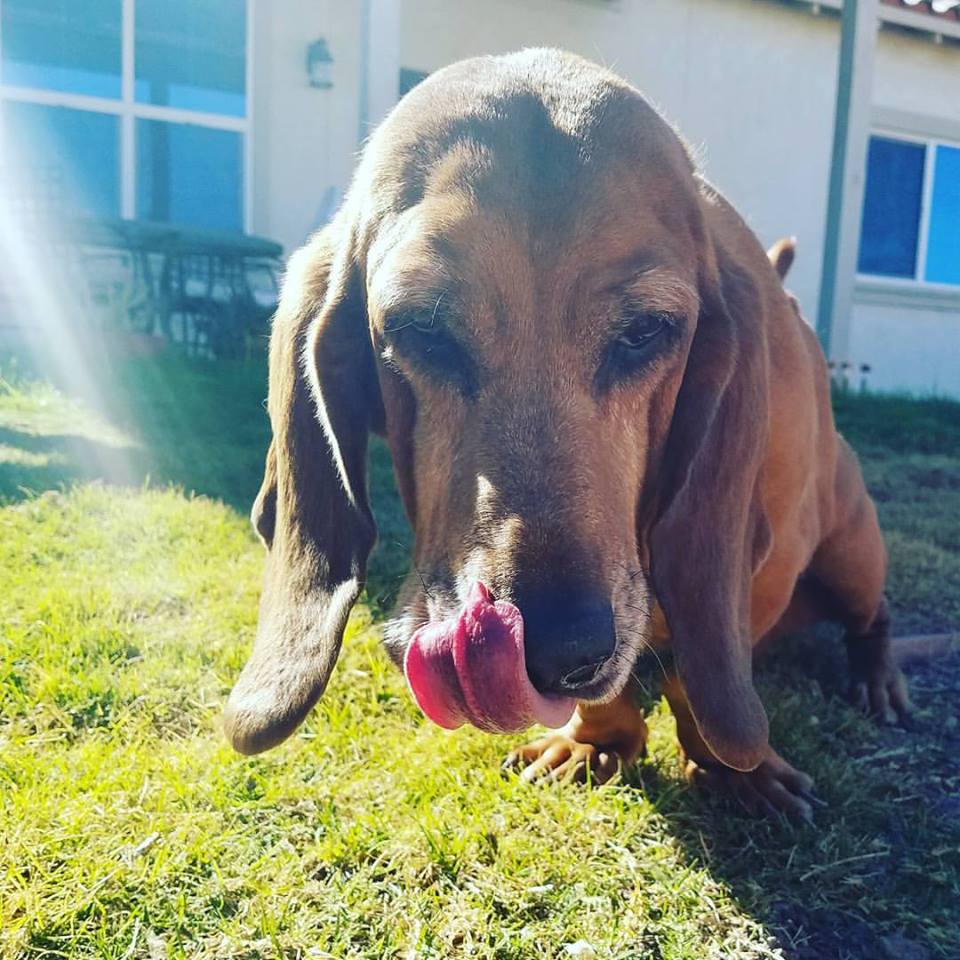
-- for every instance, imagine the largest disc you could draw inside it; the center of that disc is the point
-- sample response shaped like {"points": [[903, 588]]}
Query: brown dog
{"points": [[602, 410]]}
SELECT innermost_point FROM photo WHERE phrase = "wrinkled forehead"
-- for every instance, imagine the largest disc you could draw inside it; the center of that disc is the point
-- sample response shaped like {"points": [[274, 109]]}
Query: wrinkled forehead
{"points": [[456, 244], [441, 252], [521, 201]]}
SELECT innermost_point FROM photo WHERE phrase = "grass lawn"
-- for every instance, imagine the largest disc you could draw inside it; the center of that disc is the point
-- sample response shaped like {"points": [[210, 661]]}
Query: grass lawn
{"points": [[128, 829]]}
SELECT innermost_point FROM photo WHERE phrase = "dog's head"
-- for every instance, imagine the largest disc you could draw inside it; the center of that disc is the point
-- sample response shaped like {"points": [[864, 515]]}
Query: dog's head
{"points": [[534, 296]]}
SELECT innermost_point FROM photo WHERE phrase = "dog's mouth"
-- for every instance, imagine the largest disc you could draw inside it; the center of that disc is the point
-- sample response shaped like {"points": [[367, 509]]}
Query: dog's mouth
{"points": [[472, 669]]}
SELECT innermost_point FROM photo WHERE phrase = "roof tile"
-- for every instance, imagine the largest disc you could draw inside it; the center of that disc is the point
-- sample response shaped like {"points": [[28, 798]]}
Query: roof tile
{"points": [[943, 9]]}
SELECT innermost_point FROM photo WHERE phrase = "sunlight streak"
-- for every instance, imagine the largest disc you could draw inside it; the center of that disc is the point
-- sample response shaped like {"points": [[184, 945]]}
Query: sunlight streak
{"points": [[49, 312]]}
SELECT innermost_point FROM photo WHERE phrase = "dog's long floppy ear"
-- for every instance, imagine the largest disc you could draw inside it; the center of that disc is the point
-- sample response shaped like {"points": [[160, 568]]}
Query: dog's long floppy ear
{"points": [[312, 510], [712, 532]]}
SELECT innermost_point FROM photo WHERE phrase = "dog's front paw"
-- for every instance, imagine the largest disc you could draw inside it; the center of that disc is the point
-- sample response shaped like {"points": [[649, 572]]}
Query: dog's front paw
{"points": [[559, 757], [773, 788]]}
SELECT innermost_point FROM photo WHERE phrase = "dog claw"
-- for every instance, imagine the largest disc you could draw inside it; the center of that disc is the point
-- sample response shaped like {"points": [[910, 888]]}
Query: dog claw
{"points": [[887, 704], [906, 721], [561, 759], [767, 809], [774, 789], [814, 799], [879, 689]]}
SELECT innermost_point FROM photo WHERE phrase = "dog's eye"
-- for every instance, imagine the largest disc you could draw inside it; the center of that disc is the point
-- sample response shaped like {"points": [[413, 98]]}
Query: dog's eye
{"points": [[641, 338], [421, 341], [421, 321], [642, 330]]}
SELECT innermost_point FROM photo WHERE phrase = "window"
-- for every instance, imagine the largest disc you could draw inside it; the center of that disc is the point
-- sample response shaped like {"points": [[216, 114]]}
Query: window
{"points": [[62, 45], [70, 156], [910, 226], [409, 79], [189, 174], [165, 140], [943, 243], [891, 208], [192, 55]]}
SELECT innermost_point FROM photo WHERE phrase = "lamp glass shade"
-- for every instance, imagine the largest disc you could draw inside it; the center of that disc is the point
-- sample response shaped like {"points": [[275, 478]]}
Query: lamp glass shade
{"points": [[320, 65]]}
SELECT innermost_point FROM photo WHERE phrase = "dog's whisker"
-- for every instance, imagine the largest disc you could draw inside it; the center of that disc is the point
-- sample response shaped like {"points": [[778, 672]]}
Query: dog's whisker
{"points": [[632, 574], [639, 682], [423, 583]]}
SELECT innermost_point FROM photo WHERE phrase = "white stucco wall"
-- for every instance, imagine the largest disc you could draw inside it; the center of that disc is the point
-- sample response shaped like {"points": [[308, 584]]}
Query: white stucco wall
{"points": [[914, 73], [907, 346], [760, 120], [304, 139]]}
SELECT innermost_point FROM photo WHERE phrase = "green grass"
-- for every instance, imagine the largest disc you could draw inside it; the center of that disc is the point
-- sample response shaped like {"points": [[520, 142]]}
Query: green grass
{"points": [[195, 424], [129, 829]]}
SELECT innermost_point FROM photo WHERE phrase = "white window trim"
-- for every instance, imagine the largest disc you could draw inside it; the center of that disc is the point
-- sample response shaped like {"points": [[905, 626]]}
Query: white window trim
{"points": [[916, 282], [129, 111]]}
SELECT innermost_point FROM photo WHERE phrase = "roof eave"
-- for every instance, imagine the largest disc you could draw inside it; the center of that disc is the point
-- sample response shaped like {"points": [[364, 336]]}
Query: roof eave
{"points": [[922, 22]]}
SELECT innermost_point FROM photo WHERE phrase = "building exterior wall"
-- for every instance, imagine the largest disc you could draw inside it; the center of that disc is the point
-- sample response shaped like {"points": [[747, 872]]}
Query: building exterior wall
{"points": [[909, 346], [750, 85], [305, 140], [759, 121], [915, 74]]}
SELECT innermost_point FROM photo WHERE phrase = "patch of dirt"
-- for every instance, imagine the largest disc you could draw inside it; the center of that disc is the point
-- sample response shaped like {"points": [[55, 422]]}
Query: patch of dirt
{"points": [[928, 756], [832, 935], [935, 732]]}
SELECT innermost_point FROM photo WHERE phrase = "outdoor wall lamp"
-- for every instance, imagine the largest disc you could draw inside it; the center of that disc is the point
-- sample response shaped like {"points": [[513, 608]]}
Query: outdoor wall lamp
{"points": [[320, 65]]}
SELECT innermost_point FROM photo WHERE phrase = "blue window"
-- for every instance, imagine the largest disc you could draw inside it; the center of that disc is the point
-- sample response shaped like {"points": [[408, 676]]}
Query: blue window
{"points": [[943, 240], [409, 79], [62, 159], [188, 59], [892, 202], [67, 45], [192, 55], [189, 174], [911, 211]]}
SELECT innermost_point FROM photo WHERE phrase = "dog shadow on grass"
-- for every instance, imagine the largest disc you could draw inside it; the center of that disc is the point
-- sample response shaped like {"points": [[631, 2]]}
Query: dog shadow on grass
{"points": [[877, 877]]}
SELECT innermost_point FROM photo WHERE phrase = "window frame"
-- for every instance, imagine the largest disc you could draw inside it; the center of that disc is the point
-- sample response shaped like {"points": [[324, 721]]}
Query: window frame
{"points": [[917, 281], [128, 110]]}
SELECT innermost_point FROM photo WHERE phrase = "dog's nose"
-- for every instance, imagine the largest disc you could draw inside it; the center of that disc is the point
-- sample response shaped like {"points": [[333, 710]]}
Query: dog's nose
{"points": [[568, 636]]}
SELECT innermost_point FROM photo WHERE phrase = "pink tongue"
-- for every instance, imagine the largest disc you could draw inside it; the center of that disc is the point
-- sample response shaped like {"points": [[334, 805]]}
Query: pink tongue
{"points": [[472, 669]]}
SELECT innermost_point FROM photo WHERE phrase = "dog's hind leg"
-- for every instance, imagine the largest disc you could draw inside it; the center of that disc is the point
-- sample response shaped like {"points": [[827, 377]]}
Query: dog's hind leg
{"points": [[877, 685], [851, 565], [598, 740]]}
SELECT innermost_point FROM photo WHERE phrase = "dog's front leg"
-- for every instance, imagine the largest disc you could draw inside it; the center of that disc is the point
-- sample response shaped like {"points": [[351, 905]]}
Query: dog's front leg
{"points": [[772, 788], [597, 741]]}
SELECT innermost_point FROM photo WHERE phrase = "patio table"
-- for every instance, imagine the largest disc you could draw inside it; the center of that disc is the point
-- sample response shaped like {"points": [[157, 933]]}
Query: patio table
{"points": [[204, 278]]}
